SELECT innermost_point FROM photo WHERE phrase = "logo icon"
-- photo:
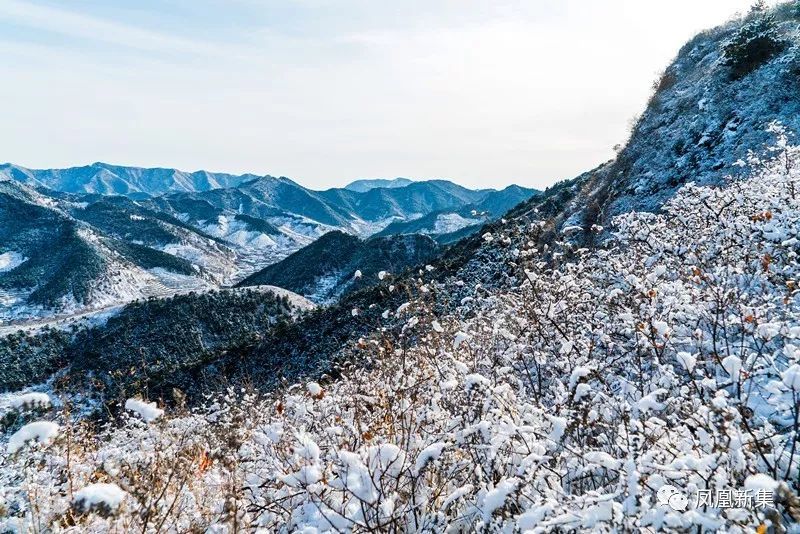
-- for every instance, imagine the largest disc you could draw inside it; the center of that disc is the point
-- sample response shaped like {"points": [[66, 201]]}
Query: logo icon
{"points": [[670, 496]]}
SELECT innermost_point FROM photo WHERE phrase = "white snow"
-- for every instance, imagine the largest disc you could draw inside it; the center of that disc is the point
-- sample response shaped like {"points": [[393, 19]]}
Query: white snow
{"points": [[457, 494], [496, 498], [450, 222], [39, 431], [760, 481], [296, 300], [305, 476], [559, 425], [459, 338], [577, 373], [732, 365], [99, 495], [474, 380], [687, 360], [148, 411], [429, 454], [603, 459], [31, 400], [651, 402], [791, 377], [581, 391]]}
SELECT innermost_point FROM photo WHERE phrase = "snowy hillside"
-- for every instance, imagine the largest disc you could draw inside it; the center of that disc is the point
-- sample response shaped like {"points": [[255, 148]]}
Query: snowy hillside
{"points": [[339, 263], [67, 255], [124, 346]]}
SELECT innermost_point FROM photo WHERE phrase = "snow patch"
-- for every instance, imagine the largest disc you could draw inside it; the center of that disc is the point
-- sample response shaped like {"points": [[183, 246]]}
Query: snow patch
{"points": [[146, 410], [101, 497], [31, 400], [40, 431]]}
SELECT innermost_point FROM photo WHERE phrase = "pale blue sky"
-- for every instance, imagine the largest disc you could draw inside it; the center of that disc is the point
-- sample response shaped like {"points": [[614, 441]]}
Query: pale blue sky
{"points": [[484, 93]]}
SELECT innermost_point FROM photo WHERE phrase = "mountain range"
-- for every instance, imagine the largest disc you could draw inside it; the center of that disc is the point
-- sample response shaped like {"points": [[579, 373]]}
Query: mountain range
{"points": [[362, 186], [105, 179], [77, 244]]}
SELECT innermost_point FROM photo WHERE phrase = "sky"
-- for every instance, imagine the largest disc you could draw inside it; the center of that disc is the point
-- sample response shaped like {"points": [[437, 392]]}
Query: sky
{"points": [[484, 93]]}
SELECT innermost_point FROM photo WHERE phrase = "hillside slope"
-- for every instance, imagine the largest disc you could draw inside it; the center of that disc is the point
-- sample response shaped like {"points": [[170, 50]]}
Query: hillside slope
{"points": [[710, 108], [448, 226], [338, 263], [74, 252], [149, 338]]}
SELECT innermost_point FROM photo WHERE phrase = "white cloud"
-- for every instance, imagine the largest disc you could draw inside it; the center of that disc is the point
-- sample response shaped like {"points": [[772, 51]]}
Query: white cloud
{"points": [[80, 26], [482, 93]]}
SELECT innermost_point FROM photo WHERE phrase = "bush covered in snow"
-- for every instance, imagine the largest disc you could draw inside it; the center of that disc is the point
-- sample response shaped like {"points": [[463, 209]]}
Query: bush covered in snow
{"points": [[101, 498], [670, 356]]}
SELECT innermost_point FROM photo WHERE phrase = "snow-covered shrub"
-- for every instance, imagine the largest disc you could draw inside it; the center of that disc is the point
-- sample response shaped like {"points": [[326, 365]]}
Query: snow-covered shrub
{"points": [[28, 401], [42, 432], [148, 411], [100, 498], [670, 356]]}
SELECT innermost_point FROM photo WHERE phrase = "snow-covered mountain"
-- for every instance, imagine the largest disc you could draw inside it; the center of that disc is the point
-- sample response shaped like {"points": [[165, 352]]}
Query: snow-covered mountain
{"points": [[277, 200], [106, 179], [448, 226], [70, 253], [572, 366], [90, 251], [365, 185]]}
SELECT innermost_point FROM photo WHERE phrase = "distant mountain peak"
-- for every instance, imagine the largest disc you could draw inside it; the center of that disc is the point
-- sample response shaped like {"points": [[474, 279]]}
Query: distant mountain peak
{"points": [[362, 186]]}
